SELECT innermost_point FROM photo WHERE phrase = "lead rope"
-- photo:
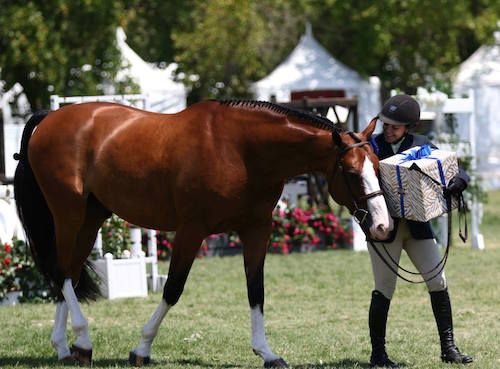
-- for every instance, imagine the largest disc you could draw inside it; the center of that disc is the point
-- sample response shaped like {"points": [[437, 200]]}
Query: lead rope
{"points": [[442, 263]]}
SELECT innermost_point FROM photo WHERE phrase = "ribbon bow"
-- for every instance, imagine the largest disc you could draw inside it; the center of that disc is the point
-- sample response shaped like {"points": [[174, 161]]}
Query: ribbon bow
{"points": [[416, 154]]}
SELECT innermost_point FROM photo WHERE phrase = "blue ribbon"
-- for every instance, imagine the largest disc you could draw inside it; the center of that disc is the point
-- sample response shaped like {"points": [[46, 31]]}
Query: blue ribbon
{"points": [[416, 154]]}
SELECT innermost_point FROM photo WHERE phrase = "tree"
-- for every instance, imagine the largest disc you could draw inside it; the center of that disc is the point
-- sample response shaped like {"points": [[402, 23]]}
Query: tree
{"points": [[233, 43], [407, 43], [149, 25], [58, 46]]}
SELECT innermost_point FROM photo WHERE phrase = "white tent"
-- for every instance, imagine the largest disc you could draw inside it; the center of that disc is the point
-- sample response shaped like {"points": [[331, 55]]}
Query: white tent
{"points": [[480, 74], [311, 67], [164, 94]]}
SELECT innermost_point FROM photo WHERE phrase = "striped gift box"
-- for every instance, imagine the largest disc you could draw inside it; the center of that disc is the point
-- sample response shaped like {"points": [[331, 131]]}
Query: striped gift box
{"points": [[409, 193]]}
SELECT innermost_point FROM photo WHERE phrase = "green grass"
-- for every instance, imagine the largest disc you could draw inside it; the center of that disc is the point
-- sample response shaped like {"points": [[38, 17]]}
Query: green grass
{"points": [[316, 317]]}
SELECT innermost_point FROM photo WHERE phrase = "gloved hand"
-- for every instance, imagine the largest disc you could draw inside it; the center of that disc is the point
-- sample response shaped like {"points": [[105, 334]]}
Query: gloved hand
{"points": [[456, 186]]}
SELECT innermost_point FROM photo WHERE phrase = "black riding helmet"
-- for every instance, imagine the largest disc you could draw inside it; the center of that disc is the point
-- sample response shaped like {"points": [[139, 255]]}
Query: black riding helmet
{"points": [[400, 110]]}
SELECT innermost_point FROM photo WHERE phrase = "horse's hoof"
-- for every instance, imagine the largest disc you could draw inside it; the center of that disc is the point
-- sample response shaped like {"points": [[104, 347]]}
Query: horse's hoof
{"points": [[278, 363], [136, 360], [81, 356]]}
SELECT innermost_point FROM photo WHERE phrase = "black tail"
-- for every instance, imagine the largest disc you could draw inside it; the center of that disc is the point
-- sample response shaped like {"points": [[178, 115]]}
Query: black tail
{"points": [[38, 222]]}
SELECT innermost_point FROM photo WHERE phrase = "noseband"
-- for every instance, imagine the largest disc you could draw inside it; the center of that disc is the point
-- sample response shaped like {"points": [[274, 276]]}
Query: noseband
{"points": [[359, 213]]}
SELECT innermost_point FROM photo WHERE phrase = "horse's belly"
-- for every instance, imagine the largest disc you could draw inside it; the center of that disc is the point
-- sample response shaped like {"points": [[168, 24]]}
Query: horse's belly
{"points": [[141, 205]]}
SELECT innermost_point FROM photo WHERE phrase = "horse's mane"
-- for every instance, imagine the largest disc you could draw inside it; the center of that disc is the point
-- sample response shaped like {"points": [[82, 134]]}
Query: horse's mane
{"points": [[316, 120]]}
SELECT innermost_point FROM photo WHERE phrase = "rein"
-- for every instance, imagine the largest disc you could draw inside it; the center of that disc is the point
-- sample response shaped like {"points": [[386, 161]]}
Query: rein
{"points": [[444, 259]]}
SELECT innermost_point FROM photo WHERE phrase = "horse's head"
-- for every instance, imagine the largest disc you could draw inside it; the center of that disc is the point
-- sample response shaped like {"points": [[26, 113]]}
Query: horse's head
{"points": [[354, 183]]}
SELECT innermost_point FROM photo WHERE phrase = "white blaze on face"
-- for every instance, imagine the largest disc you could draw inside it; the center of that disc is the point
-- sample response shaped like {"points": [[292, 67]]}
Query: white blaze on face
{"points": [[382, 221]]}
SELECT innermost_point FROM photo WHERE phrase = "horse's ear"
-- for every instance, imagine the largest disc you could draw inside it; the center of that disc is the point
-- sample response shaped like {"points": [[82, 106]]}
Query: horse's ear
{"points": [[337, 140], [367, 132]]}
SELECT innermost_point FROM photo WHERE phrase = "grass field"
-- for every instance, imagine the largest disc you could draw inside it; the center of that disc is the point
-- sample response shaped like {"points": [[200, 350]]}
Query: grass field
{"points": [[316, 317]]}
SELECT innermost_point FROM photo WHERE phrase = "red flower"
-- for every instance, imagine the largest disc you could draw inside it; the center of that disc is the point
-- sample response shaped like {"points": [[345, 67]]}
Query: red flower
{"points": [[6, 261], [7, 248], [0, 270]]}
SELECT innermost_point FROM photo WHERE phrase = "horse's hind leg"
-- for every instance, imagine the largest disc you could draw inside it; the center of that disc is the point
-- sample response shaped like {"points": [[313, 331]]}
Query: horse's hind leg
{"points": [[255, 242], [74, 242], [186, 245], [58, 338]]}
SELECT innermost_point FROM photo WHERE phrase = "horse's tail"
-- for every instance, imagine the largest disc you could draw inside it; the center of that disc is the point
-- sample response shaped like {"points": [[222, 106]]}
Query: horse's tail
{"points": [[38, 222]]}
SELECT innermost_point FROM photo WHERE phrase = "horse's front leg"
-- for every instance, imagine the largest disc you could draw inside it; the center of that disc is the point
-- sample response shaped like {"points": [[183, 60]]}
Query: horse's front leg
{"points": [[58, 338], [186, 245], [255, 242]]}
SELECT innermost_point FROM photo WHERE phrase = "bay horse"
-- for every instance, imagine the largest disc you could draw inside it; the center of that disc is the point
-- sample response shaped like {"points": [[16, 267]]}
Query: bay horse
{"points": [[213, 167]]}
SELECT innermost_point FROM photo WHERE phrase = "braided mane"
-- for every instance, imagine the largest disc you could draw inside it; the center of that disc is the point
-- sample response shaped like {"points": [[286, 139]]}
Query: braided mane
{"points": [[316, 120]]}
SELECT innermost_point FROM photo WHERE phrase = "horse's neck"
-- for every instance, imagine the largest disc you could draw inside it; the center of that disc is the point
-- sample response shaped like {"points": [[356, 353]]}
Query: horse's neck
{"points": [[289, 150]]}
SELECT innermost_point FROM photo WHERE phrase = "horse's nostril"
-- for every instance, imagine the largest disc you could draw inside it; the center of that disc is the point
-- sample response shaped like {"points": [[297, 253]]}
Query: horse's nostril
{"points": [[382, 228]]}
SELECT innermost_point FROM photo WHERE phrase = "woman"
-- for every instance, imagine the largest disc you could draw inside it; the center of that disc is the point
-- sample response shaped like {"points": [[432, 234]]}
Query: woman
{"points": [[398, 114]]}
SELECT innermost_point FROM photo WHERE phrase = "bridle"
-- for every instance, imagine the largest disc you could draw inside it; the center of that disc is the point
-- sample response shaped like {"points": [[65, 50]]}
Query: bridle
{"points": [[359, 213]]}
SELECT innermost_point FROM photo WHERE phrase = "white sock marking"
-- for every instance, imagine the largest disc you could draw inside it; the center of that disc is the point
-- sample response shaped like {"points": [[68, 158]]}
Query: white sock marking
{"points": [[150, 329], [259, 342], [58, 338], [78, 321]]}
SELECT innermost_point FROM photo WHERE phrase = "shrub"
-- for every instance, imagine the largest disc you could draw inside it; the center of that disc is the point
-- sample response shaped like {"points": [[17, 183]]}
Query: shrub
{"points": [[292, 228], [19, 273]]}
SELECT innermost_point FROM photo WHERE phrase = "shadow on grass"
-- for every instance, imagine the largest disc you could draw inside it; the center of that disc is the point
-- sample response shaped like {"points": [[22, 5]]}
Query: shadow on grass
{"points": [[344, 363], [198, 362], [36, 361]]}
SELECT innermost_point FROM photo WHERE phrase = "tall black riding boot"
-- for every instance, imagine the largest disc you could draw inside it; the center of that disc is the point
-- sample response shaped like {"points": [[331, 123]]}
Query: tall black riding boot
{"points": [[377, 321], [441, 307]]}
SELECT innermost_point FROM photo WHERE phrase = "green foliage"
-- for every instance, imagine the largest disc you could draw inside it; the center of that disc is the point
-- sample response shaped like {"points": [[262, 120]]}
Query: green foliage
{"points": [[406, 43], [222, 46], [115, 236], [58, 46], [149, 25], [19, 273], [232, 44]]}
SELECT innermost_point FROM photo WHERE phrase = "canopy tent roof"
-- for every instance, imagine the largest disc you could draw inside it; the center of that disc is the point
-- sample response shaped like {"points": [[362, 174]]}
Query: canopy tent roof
{"points": [[165, 95], [482, 67], [309, 67]]}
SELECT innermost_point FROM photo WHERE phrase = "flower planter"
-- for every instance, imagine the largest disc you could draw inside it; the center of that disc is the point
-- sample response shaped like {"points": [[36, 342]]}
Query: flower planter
{"points": [[122, 277], [12, 298]]}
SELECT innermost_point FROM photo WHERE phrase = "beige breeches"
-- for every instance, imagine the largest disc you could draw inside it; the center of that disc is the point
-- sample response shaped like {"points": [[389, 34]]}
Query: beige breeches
{"points": [[424, 254]]}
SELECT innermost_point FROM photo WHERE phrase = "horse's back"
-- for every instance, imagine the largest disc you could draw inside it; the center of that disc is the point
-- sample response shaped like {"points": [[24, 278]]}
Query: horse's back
{"points": [[133, 161]]}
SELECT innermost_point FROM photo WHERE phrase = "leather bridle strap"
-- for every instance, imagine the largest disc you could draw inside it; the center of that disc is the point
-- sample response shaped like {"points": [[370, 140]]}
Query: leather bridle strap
{"points": [[362, 213]]}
